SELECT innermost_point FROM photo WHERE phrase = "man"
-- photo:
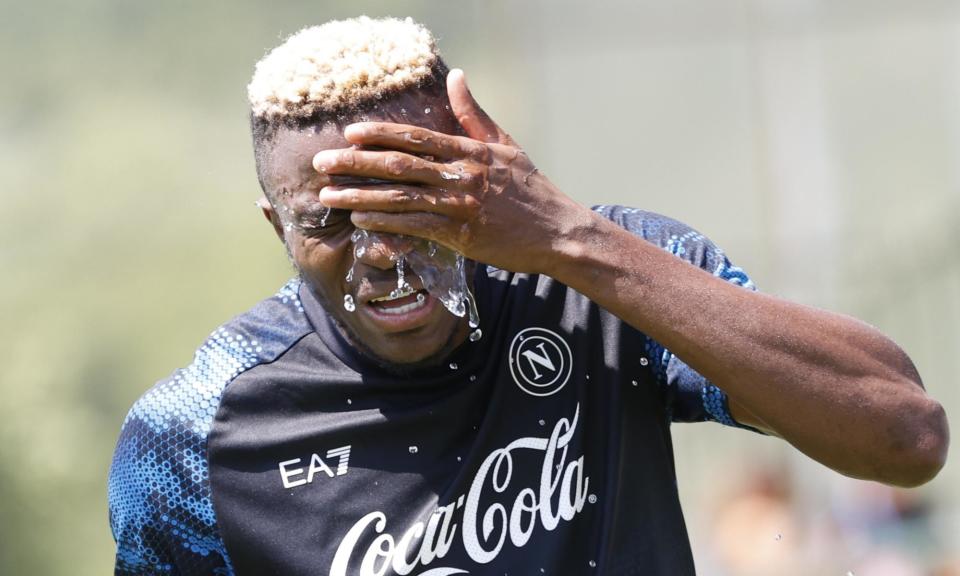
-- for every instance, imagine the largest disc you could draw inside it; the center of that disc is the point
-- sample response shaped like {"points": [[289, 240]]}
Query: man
{"points": [[309, 438]]}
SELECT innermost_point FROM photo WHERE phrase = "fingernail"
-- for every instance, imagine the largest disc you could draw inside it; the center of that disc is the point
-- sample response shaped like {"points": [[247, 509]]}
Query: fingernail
{"points": [[323, 159]]}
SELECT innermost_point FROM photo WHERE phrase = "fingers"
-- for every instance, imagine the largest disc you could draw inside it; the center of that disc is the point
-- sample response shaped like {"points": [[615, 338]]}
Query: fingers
{"points": [[394, 166], [471, 116], [395, 198], [415, 140]]}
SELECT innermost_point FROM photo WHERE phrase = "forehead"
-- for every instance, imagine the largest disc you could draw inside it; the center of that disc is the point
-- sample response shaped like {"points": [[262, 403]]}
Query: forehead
{"points": [[289, 156]]}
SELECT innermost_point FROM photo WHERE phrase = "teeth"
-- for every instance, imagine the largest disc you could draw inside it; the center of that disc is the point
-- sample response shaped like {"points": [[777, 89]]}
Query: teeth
{"points": [[402, 309], [395, 296]]}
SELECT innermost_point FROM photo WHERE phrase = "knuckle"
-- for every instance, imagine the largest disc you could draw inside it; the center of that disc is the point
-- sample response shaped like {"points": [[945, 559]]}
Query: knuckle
{"points": [[395, 164], [479, 152], [345, 158], [398, 198], [471, 178]]}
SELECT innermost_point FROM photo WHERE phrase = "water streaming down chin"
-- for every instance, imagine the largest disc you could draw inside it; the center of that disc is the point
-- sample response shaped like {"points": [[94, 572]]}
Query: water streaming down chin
{"points": [[442, 271]]}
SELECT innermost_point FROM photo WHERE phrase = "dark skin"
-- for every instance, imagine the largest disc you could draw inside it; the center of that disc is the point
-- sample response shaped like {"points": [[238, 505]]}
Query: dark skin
{"points": [[324, 254], [832, 386]]}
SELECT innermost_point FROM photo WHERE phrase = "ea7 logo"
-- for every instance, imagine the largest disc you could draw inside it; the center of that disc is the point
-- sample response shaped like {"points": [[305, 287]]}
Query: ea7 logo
{"points": [[293, 477], [540, 361]]}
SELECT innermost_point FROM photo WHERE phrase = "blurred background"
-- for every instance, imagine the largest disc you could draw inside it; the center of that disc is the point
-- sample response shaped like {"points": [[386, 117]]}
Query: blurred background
{"points": [[817, 142]]}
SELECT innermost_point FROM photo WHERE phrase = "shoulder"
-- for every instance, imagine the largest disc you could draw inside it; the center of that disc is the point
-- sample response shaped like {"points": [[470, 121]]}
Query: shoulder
{"points": [[188, 397], [160, 508]]}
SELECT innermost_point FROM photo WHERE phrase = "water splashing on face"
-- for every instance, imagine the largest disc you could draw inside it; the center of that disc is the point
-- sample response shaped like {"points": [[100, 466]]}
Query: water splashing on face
{"points": [[442, 271], [402, 285], [348, 303]]}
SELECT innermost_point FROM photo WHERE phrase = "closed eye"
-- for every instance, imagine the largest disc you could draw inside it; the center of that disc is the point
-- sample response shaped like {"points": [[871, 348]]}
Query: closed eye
{"points": [[324, 220]]}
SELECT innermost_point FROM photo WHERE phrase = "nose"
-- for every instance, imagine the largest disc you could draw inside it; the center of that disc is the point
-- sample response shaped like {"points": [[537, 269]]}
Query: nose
{"points": [[380, 250]]}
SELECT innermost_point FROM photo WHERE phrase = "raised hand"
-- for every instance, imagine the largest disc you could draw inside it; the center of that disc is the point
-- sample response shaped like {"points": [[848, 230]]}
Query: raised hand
{"points": [[479, 195]]}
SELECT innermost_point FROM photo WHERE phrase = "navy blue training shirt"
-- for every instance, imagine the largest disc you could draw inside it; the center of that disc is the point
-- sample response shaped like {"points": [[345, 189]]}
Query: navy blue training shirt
{"points": [[542, 448]]}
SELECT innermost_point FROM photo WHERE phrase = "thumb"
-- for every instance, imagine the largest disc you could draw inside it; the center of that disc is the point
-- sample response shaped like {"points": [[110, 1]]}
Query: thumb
{"points": [[477, 124]]}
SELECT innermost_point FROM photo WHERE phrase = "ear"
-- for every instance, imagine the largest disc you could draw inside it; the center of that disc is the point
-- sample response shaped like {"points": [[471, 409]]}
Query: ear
{"points": [[271, 215]]}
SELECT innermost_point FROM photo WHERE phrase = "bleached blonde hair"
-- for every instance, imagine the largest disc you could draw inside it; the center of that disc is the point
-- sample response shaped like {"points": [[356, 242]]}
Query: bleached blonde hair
{"points": [[340, 66]]}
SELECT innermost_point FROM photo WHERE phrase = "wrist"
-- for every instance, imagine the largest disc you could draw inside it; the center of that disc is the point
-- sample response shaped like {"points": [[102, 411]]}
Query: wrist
{"points": [[575, 246]]}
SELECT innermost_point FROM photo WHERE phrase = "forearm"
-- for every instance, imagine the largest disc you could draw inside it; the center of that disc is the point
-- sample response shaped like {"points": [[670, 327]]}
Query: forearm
{"points": [[832, 386]]}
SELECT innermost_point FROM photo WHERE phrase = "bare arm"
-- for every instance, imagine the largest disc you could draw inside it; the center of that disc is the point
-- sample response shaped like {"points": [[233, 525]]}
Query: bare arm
{"points": [[832, 386]]}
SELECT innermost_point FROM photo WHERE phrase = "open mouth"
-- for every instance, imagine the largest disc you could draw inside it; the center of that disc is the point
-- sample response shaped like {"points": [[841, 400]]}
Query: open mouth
{"points": [[400, 302]]}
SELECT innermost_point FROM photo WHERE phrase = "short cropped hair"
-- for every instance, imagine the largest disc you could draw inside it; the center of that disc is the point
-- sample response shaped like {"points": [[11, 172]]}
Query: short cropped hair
{"points": [[339, 65], [338, 71]]}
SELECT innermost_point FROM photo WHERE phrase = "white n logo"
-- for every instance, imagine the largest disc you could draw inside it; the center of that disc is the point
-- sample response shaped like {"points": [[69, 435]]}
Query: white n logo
{"points": [[543, 359], [540, 361]]}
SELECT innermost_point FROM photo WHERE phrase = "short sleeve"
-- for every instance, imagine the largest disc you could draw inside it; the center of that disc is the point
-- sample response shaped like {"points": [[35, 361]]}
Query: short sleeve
{"points": [[689, 396], [158, 489], [161, 510]]}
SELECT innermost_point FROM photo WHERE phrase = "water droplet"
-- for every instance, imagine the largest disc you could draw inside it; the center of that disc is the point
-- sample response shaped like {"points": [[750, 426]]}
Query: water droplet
{"points": [[432, 249], [349, 277], [592, 498], [449, 175], [288, 226], [348, 303], [453, 366], [644, 361], [476, 335], [543, 422], [413, 449], [592, 564], [459, 459], [402, 285], [420, 297], [426, 110], [588, 376], [474, 319], [473, 377], [349, 401], [779, 537], [634, 382]]}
